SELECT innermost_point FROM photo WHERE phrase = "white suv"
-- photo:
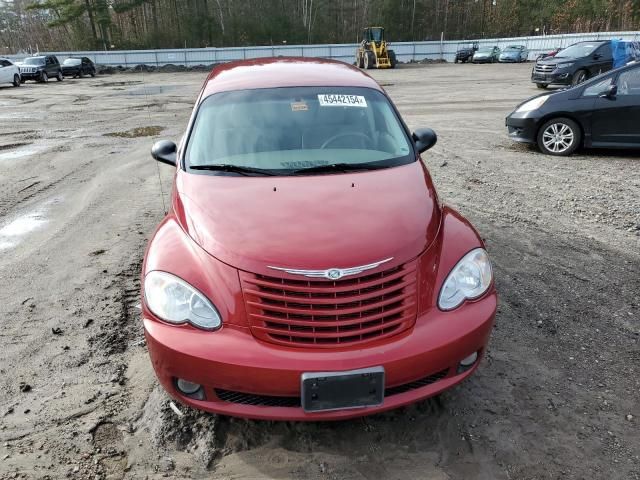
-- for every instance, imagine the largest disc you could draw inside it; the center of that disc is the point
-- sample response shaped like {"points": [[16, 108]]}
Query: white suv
{"points": [[9, 73]]}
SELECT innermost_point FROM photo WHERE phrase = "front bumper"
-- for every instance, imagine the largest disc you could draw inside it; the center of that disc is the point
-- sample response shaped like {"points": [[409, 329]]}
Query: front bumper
{"points": [[31, 75], [232, 364], [522, 129], [553, 78], [483, 60]]}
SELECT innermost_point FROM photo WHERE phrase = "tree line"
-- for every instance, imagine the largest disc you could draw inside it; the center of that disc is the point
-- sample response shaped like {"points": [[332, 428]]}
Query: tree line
{"points": [[139, 24]]}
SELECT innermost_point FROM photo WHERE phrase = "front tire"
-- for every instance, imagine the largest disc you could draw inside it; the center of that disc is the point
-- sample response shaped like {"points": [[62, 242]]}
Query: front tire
{"points": [[392, 59], [44, 78], [59, 76], [16, 80], [559, 137], [579, 77], [369, 60]]}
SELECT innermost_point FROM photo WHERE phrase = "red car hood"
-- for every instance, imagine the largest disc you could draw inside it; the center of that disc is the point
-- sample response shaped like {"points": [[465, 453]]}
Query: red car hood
{"points": [[310, 222]]}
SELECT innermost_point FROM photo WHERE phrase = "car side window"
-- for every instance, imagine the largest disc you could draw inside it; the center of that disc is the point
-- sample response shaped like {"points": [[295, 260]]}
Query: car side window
{"points": [[4, 63], [597, 88], [629, 82], [605, 52]]}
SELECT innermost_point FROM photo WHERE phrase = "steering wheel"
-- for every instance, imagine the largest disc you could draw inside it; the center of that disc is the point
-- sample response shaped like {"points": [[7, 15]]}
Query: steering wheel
{"points": [[345, 134]]}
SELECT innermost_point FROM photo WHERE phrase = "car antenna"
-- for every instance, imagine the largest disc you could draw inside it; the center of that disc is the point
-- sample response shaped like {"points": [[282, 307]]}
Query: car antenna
{"points": [[146, 96]]}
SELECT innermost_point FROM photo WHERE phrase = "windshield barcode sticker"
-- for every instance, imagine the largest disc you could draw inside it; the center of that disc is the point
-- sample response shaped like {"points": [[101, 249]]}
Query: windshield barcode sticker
{"points": [[337, 100]]}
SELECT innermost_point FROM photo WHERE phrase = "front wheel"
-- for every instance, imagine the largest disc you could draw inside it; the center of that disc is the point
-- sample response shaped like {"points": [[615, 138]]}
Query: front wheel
{"points": [[392, 59], [44, 78], [16, 80], [456, 60], [369, 60], [59, 76], [559, 136], [579, 77]]}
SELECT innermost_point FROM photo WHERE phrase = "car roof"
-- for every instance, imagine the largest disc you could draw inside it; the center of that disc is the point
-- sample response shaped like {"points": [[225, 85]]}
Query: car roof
{"points": [[280, 72], [591, 41]]}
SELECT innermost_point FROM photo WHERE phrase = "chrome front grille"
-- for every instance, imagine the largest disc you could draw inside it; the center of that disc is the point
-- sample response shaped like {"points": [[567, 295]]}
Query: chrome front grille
{"points": [[544, 68]]}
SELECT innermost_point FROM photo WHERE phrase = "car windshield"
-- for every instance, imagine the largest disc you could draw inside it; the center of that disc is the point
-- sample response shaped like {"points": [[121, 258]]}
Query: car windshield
{"points": [[513, 48], [578, 50], [72, 61], [34, 61], [285, 130], [486, 50]]}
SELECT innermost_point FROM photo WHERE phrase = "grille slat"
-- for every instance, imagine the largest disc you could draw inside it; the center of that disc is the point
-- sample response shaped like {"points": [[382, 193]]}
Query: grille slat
{"points": [[329, 313], [325, 322], [329, 299]]}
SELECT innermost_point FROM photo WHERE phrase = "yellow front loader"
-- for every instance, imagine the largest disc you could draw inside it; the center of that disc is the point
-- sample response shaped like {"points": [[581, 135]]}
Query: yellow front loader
{"points": [[373, 50]]}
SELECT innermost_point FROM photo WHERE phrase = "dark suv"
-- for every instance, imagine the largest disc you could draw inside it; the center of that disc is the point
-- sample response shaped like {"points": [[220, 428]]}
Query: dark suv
{"points": [[40, 68], [574, 64], [465, 52]]}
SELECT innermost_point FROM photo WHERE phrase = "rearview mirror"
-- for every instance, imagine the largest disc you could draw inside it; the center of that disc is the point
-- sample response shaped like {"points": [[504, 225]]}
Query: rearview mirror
{"points": [[425, 138], [610, 92], [165, 151]]}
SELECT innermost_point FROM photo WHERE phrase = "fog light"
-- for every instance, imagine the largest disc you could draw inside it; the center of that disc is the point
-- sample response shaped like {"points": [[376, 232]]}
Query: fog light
{"points": [[470, 360], [467, 362], [188, 388]]}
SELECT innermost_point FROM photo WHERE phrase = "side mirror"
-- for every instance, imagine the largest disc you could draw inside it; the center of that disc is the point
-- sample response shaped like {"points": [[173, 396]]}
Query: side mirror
{"points": [[425, 138], [597, 56], [610, 92], [165, 151]]}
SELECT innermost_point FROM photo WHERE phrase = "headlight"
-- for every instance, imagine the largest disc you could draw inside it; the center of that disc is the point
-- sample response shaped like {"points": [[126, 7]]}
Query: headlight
{"points": [[565, 65], [175, 301], [532, 104], [469, 279]]}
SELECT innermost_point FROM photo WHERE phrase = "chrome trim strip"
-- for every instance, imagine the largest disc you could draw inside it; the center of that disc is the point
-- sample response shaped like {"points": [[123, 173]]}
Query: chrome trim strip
{"points": [[332, 273]]}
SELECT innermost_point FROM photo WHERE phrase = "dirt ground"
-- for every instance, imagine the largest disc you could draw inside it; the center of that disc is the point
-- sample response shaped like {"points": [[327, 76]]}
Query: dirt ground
{"points": [[558, 396]]}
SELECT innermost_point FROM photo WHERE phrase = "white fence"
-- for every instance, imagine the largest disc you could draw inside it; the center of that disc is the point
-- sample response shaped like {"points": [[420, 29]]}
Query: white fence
{"points": [[405, 51]]}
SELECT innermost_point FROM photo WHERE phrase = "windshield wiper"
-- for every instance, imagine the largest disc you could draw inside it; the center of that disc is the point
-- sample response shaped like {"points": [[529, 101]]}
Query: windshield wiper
{"points": [[233, 169], [337, 167]]}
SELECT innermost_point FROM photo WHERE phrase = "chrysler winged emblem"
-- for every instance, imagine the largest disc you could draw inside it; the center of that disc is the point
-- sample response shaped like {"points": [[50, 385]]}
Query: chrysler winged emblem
{"points": [[332, 273]]}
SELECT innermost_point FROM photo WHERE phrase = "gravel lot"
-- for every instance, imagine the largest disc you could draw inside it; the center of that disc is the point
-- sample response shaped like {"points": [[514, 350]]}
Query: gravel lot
{"points": [[557, 397]]}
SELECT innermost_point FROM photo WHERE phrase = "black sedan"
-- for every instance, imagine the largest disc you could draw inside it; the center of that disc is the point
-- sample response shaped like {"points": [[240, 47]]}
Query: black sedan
{"points": [[78, 67], [603, 112]]}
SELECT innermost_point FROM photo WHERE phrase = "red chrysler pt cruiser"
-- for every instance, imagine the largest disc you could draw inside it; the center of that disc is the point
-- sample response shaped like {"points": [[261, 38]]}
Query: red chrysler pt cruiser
{"points": [[306, 269]]}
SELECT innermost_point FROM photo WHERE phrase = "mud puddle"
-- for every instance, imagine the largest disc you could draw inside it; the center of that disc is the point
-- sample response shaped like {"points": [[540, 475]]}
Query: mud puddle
{"points": [[14, 232], [152, 90], [19, 150]]}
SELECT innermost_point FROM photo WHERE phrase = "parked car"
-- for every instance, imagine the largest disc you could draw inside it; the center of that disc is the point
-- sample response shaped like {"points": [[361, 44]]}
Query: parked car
{"points": [[574, 64], [486, 55], [465, 52], [41, 68], [514, 54], [549, 54], [9, 73], [306, 269], [602, 112], [78, 67]]}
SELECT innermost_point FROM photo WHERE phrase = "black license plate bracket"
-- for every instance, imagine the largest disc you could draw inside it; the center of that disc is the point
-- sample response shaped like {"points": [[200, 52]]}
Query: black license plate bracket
{"points": [[326, 391]]}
